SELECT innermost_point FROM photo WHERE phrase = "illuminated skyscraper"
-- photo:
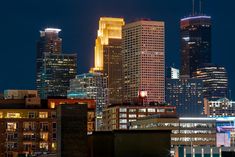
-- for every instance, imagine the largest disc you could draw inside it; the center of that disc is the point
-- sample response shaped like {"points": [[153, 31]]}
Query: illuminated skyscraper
{"points": [[195, 34], [57, 71], [215, 80], [109, 28], [143, 51], [54, 69], [108, 56], [49, 42]]}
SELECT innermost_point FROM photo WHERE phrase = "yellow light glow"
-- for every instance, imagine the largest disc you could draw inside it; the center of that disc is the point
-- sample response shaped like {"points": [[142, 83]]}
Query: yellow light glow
{"points": [[109, 28]]}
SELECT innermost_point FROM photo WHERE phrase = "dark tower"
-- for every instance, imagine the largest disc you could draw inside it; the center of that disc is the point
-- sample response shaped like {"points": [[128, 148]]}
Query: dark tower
{"points": [[195, 36]]}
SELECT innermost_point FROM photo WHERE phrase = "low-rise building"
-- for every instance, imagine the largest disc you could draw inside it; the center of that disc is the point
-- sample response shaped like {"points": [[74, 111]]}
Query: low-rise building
{"points": [[29, 126], [119, 116], [219, 107]]}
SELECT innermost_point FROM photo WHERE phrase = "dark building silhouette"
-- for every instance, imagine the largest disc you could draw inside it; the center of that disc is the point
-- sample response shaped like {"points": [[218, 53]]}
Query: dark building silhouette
{"points": [[195, 34], [215, 81], [113, 70], [72, 130], [130, 143]]}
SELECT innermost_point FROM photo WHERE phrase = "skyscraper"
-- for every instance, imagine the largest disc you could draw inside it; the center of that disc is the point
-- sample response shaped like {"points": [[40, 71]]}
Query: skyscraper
{"points": [[49, 42], [195, 33], [215, 80], [143, 51], [57, 71], [186, 94], [108, 56], [54, 69]]}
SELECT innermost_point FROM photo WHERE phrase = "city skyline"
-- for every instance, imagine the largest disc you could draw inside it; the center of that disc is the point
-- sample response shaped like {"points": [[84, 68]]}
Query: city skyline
{"points": [[76, 41]]}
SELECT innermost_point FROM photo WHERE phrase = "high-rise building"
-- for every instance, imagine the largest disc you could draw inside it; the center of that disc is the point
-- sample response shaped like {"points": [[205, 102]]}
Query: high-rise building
{"points": [[186, 94], [54, 68], [49, 42], [143, 51], [195, 34], [215, 80], [58, 70], [108, 56], [90, 86]]}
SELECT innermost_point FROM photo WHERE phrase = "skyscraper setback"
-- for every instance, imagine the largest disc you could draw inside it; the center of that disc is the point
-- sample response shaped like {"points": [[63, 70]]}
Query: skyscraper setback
{"points": [[195, 32], [144, 60], [54, 68], [108, 56]]}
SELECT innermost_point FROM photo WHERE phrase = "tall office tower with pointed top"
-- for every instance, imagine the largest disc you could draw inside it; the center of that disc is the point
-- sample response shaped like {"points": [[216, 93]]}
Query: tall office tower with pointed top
{"points": [[143, 51], [108, 56], [54, 69]]}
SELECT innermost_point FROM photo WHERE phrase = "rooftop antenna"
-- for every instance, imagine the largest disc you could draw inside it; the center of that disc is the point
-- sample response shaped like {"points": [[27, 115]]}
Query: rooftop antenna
{"points": [[193, 9], [200, 7]]}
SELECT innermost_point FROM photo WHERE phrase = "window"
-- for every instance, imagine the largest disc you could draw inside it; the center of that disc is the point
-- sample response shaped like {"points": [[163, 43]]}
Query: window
{"points": [[13, 115], [11, 136], [52, 105], [123, 121], [43, 115], [123, 126], [44, 136], [11, 126], [122, 115], [29, 126], [132, 115], [54, 136], [53, 114], [1, 115], [43, 145], [53, 146], [31, 115], [11, 146], [122, 110], [142, 110], [44, 126], [160, 110], [132, 110], [54, 125], [151, 109]]}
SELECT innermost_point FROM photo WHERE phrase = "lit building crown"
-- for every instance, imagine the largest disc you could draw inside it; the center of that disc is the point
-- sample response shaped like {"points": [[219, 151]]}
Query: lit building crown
{"points": [[109, 28]]}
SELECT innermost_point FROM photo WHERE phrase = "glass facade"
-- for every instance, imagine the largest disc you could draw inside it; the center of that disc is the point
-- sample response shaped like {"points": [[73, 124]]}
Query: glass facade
{"points": [[215, 81], [186, 94], [195, 39]]}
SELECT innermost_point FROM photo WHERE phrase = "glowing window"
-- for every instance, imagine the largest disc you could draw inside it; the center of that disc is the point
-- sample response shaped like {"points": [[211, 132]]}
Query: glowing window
{"points": [[43, 115], [52, 105], [11, 126], [1, 115], [13, 115], [44, 136]]}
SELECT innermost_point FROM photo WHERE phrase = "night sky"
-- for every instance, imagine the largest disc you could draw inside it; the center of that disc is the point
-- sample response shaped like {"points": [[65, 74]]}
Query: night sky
{"points": [[21, 21]]}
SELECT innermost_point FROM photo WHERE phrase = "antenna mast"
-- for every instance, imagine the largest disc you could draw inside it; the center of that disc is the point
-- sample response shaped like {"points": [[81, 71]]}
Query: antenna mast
{"points": [[193, 7], [200, 7]]}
